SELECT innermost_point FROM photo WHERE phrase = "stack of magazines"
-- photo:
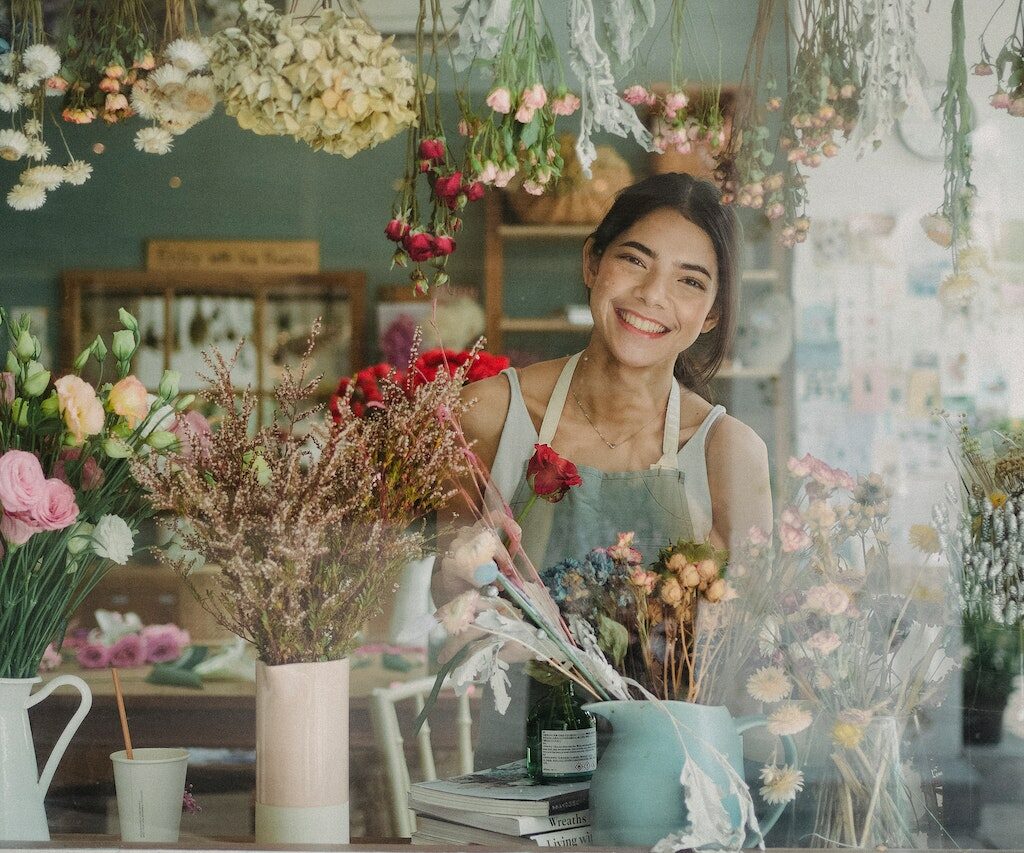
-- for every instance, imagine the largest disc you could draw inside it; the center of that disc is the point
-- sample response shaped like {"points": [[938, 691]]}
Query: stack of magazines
{"points": [[499, 806]]}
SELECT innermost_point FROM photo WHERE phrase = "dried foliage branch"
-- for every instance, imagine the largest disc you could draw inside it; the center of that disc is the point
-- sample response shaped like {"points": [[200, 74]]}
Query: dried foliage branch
{"points": [[310, 529]]}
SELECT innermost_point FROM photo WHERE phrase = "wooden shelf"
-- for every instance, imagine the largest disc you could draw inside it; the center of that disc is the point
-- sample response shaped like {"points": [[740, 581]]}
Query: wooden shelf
{"points": [[542, 324], [545, 232]]}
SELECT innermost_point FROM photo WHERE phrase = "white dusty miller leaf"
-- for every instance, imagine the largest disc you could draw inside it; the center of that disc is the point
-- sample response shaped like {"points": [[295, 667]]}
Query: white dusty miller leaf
{"points": [[601, 108], [623, 29], [482, 27]]}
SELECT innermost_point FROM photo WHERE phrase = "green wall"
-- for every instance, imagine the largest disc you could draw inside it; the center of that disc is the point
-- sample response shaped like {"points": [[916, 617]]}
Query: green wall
{"points": [[235, 184]]}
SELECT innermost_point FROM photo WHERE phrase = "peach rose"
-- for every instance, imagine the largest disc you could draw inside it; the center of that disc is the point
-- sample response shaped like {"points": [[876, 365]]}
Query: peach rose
{"points": [[708, 570], [690, 576], [128, 399], [79, 406]]}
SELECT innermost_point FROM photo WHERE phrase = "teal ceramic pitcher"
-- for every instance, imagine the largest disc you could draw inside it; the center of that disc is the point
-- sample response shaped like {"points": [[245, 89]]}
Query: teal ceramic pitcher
{"points": [[635, 795]]}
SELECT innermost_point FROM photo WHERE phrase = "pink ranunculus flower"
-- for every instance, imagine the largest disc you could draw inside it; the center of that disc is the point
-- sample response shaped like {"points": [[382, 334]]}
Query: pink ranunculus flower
{"points": [[93, 656], [57, 508], [79, 406], [128, 398], [824, 642], [164, 642], [7, 387], [16, 529], [535, 97], [525, 114], [792, 533], [193, 432], [22, 482], [92, 475], [500, 100], [635, 95], [565, 105], [128, 651]]}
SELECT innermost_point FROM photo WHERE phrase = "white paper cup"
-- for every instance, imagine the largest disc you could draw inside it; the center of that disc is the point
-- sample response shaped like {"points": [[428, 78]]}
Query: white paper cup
{"points": [[149, 792]]}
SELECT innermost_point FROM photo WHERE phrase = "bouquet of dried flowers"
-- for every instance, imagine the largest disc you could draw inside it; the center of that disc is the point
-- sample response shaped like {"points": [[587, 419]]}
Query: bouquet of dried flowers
{"points": [[70, 507], [310, 531], [843, 653], [1008, 67], [329, 80]]}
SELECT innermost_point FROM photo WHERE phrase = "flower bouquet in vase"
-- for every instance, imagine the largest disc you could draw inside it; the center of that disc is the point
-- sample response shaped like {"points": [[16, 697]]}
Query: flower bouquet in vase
{"points": [[70, 508], [846, 655], [310, 522], [623, 634]]}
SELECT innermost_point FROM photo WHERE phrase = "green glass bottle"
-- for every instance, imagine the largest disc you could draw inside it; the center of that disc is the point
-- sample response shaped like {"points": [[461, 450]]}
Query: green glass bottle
{"points": [[561, 738]]}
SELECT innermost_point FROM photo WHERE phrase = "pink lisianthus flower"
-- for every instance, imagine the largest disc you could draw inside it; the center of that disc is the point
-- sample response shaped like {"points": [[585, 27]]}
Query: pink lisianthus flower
{"points": [[92, 474], [533, 188], [504, 176], [500, 100], [164, 642], [488, 173], [16, 529], [93, 656], [534, 97], [674, 102], [193, 432], [635, 95], [56, 509], [792, 534], [525, 114], [565, 105], [22, 482], [128, 651]]}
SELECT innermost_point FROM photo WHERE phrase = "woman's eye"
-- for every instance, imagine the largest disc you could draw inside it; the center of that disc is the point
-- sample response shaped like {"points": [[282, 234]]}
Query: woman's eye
{"points": [[695, 282], [632, 259]]}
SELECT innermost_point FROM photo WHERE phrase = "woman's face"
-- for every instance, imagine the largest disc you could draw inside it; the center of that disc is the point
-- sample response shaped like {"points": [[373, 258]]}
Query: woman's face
{"points": [[652, 291]]}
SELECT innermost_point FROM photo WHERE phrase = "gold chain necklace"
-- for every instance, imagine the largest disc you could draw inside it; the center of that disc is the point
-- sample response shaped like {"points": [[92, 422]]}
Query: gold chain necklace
{"points": [[612, 445]]}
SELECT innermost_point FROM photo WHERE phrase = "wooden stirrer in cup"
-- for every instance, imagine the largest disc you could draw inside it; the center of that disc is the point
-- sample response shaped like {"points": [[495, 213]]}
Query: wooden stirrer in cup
{"points": [[120, 710]]}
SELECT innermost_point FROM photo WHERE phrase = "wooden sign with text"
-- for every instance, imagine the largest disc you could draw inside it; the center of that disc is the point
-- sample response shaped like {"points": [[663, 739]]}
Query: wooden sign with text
{"points": [[269, 256]]}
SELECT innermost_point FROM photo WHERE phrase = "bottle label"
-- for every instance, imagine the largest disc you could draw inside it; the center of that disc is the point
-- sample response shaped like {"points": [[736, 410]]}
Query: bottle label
{"points": [[568, 753]]}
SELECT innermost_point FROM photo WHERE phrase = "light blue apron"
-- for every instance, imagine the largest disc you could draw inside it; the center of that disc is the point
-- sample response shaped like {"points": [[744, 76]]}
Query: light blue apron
{"points": [[652, 503]]}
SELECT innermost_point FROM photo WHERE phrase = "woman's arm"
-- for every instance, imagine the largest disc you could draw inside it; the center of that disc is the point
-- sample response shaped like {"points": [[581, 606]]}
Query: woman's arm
{"points": [[482, 423], [741, 495]]}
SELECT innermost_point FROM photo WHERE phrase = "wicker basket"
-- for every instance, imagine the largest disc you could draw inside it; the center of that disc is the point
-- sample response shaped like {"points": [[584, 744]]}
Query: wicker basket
{"points": [[574, 200]]}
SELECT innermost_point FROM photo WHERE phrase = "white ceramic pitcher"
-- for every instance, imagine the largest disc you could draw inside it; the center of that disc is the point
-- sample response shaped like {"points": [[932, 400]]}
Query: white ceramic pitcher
{"points": [[22, 789]]}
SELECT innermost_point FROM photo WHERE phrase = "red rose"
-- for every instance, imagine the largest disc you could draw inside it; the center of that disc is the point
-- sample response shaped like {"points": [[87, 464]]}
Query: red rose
{"points": [[420, 246], [474, 191], [425, 165], [396, 229], [432, 149], [485, 366], [448, 186], [426, 367], [443, 245], [549, 475]]}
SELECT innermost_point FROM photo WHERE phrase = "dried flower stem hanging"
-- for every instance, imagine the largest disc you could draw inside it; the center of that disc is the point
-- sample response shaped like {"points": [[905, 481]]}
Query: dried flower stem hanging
{"points": [[1008, 66]]}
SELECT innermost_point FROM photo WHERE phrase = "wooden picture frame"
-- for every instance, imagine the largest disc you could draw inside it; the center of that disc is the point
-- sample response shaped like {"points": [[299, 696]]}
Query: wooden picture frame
{"points": [[183, 312]]}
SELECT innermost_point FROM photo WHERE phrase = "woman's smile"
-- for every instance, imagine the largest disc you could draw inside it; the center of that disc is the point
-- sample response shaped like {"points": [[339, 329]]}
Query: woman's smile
{"points": [[638, 324]]}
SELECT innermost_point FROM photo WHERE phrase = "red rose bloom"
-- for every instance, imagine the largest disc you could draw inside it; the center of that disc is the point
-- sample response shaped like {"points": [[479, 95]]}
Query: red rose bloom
{"points": [[549, 475], [420, 246], [443, 245], [485, 365], [474, 191], [448, 186], [396, 229], [432, 149]]}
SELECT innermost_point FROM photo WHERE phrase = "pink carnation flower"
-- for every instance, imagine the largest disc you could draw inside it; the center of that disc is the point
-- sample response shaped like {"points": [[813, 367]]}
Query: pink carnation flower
{"points": [[93, 656], [128, 651]]}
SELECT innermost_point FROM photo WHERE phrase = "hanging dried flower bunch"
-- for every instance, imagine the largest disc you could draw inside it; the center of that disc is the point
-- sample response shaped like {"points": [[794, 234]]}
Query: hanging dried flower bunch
{"points": [[1008, 67], [107, 44], [28, 74], [327, 80]]}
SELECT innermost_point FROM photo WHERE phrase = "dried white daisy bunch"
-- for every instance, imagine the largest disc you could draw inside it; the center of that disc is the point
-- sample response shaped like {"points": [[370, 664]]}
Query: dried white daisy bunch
{"points": [[175, 96], [330, 81], [26, 78]]}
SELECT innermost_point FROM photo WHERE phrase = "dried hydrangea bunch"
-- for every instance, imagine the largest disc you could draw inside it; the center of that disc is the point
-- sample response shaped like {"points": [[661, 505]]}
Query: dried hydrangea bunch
{"points": [[175, 96], [330, 81], [26, 78]]}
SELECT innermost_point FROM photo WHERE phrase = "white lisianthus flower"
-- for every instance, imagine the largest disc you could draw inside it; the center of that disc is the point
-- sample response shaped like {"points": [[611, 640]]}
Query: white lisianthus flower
{"points": [[780, 784], [77, 172], [188, 55], [769, 684], [41, 60], [789, 719], [112, 539], [154, 140], [10, 98], [47, 177], [13, 144], [26, 197]]}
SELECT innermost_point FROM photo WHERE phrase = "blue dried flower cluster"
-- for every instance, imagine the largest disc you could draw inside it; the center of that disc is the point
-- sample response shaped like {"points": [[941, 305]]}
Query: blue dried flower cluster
{"points": [[583, 586]]}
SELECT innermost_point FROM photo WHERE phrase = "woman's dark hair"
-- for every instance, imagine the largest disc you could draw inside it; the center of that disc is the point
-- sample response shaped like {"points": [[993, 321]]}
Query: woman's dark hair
{"points": [[700, 202]]}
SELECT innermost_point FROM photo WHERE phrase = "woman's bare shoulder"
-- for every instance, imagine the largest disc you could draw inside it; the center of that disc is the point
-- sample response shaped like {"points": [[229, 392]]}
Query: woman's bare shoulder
{"points": [[729, 437]]}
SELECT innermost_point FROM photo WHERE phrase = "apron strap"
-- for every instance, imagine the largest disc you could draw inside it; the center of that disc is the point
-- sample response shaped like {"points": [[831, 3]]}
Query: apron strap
{"points": [[553, 412], [670, 441]]}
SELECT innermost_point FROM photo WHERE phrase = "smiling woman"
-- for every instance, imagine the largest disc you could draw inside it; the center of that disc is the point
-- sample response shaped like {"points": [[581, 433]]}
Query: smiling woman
{"points": [[655, 457]]}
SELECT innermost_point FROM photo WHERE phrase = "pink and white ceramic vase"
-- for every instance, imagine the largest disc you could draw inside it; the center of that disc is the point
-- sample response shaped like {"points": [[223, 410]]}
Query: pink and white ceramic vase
{"points": [[302, 753]]}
